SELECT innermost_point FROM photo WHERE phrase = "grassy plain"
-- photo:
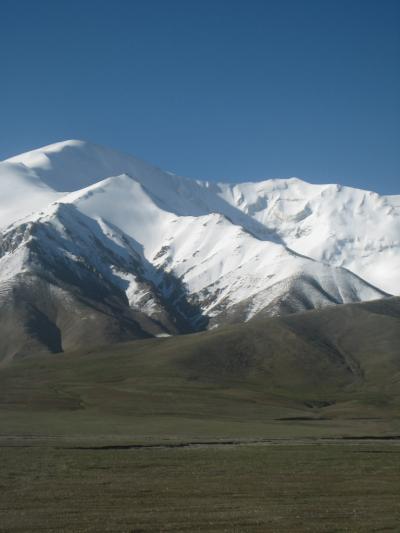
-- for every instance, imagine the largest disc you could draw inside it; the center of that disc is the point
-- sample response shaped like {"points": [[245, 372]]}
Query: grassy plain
{"points": [[296, 488], [285, 425]]}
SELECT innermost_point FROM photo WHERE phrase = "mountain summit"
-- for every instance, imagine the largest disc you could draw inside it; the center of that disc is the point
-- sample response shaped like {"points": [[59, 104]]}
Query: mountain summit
{"points": [[97, 246]]}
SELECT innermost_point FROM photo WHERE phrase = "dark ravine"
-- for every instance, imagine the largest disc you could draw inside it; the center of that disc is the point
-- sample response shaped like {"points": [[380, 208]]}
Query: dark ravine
{"points": [[370, 439], [260, 442]]}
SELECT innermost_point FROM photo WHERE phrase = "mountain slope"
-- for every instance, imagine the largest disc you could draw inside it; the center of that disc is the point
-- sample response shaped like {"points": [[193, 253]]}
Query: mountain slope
{"points": [[334, 371], [342, 226], [131, 272], [347, 227], [21, 193], [352, 347], [141, 252]]}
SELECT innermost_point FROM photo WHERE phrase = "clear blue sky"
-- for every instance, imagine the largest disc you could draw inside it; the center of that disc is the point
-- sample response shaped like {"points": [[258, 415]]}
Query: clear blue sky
{"points": [[219, 89]]}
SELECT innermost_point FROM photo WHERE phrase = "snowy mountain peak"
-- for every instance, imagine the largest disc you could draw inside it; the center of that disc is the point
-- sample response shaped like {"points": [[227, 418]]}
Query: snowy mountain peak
{"points": [[143, 251]]}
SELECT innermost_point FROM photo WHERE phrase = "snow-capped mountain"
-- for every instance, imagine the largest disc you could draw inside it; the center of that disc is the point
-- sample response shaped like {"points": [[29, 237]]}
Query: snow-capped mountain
{"points": [[97, 246]]}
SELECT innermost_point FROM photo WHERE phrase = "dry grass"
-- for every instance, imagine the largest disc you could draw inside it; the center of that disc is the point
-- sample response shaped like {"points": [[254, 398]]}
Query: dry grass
{"points": [[282, 488]]}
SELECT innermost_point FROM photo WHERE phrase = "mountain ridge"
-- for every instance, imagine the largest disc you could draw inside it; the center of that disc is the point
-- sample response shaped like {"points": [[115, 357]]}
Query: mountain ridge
{"points": [[178, 254]]}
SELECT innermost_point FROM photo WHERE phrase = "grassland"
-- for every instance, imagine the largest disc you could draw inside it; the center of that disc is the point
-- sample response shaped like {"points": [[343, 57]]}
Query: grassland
{"points": [[296, 488], [288, 424]]}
